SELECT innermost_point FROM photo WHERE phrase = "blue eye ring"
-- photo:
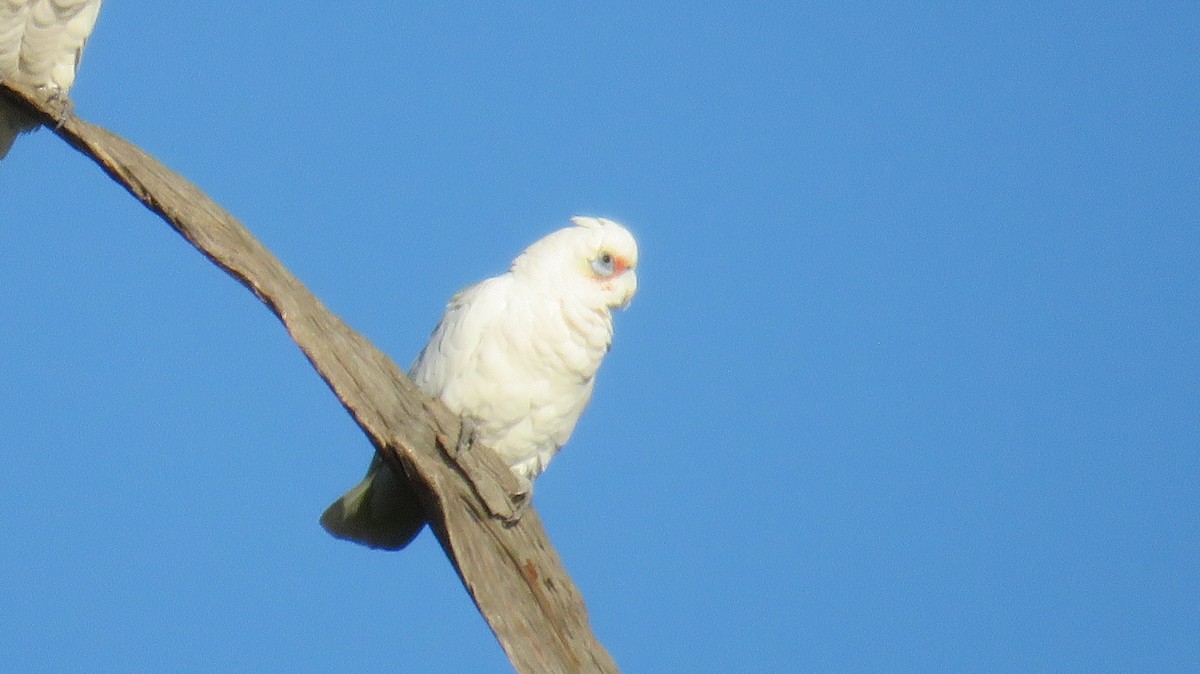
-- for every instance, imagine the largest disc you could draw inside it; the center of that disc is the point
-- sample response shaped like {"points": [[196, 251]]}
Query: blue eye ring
{"points": [[604, 264]]}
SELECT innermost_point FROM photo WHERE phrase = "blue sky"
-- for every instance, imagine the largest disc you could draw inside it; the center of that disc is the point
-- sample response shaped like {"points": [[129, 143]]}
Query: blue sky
{"points": [[912, 382]]}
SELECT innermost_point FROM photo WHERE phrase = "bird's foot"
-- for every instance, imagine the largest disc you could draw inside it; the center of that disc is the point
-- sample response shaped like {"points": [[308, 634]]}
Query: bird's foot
{"points": [[520, 499], [468, 433], [60, 107]]}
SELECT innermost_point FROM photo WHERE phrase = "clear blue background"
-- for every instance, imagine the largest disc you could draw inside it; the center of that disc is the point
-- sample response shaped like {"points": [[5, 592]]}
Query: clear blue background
{"points": [[912, 382]]}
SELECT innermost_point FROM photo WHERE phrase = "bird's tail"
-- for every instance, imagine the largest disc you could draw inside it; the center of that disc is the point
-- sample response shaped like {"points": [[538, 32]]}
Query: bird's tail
{"points": [[382, 511], [12, 122]]}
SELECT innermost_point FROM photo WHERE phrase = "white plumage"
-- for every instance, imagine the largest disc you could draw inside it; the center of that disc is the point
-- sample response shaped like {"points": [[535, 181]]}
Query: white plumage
{"points": [[518, 355], [41, 42]]}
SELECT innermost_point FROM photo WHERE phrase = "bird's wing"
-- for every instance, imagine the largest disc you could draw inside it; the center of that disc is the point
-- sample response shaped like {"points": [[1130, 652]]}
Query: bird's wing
{"points": [[470, 317], [14, 15]]}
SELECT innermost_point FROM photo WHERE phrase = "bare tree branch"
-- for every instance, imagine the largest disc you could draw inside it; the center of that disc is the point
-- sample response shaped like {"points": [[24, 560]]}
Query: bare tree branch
{"points": [[512, 572]]}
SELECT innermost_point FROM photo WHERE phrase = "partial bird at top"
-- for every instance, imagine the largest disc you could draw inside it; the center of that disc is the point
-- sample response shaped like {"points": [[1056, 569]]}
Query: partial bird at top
{"points": [[41, 42], [516, 357]]}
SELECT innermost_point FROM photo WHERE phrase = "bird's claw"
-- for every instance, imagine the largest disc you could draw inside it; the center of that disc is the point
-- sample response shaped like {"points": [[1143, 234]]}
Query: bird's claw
{"points": [[59, 105], [468, 430], [520, 500]]}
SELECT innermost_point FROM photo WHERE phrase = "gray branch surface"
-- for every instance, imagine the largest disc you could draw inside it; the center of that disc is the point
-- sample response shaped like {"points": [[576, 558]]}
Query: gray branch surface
{"points": [[512, 571]]}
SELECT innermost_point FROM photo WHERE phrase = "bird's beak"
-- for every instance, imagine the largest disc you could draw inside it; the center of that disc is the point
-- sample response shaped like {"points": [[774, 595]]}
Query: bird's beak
{"points": [[629, 284]]}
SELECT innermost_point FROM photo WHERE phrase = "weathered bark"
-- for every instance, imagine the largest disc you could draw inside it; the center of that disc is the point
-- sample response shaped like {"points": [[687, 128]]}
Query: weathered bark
{"points": [[512, 571]]}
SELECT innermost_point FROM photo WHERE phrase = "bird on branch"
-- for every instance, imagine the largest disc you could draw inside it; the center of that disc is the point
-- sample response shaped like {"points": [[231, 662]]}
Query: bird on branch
{"points": [[41, 43], [515, 357]]}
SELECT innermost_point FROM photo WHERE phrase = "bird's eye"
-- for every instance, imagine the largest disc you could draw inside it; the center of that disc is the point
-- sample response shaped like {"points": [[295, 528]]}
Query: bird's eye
{"points": [[604, 264]]}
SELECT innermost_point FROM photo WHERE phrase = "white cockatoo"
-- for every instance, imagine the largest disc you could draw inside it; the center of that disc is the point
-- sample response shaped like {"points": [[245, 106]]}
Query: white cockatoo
{"points": [[516, 356], [41, 42]]}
